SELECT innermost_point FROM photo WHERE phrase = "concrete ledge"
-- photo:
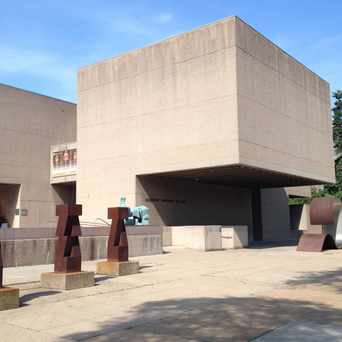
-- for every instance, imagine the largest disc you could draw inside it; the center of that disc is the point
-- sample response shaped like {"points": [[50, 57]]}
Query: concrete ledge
{"points": [[114, 268], [204, 238], [67, 281], [146, 240], [234, 237], [167, 236], [9, 298]]}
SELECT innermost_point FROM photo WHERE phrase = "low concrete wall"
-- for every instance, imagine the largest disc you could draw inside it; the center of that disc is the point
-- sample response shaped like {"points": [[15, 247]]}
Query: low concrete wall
{"points": [[206, 238], [234, 237], [167, 236], [17, 251]]}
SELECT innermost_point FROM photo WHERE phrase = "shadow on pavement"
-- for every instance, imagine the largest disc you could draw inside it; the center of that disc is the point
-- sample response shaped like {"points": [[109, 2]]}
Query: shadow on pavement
{"points": [[145, 266], [272, 244], [30, 296], [101, 278], [330, 278], [209, 319]]}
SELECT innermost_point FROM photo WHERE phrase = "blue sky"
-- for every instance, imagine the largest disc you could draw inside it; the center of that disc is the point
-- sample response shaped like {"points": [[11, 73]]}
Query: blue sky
{"points": [[44, 42]]}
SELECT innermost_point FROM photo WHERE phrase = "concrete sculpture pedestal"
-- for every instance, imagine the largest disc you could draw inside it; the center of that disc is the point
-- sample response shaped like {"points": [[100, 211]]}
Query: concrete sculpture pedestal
{"points": [[67, 273], [117, 263], [324, 213], [67, 281], [9, 297], [117, 268]]}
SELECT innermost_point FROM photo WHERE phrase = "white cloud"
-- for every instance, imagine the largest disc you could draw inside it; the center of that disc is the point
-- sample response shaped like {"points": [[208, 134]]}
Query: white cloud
{"points": [[164, 18]]}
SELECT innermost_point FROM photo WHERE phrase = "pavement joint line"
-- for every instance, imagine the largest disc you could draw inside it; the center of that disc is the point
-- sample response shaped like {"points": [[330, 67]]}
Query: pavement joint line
{"points": [[160, 286], [75, 297], [22, 327], [33, 283]]}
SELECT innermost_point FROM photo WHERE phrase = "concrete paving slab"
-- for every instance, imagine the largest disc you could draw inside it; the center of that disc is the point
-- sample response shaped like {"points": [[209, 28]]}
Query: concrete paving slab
{"points": [[186, 295], [31, 274], [304, 332], [10, 333]]}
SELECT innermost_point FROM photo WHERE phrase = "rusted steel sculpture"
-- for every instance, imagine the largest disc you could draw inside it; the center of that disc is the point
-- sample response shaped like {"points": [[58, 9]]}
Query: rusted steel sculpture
{"points": [[323, 211], [117, 263], [316, 242], [67, 251], [117, 241], [67, 274], [1, 268]]}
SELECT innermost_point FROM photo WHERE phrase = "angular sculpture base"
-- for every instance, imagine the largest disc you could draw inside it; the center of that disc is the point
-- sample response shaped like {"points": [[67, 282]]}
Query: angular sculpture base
{"points": [[9, 298], [315, 242], [116, 268], [67, 281]]}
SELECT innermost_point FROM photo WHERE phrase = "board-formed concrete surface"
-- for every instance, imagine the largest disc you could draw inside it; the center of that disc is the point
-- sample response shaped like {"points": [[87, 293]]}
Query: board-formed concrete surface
{"points": [[219, 105], [30, 123], [18, 252], [185, 295]]}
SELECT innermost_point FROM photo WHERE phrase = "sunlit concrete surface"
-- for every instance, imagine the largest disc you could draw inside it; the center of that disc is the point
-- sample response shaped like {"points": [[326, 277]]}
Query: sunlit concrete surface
{"points": [[192, 123], [185, 295], [30, 123]]}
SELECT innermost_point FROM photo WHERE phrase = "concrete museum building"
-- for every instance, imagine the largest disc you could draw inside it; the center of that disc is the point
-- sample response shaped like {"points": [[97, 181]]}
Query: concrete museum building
{"points": [[205, 128]]}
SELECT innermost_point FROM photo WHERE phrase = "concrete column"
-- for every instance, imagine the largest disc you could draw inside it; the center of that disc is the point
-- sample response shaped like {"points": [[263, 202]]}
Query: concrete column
{"points": [[257, 215]]}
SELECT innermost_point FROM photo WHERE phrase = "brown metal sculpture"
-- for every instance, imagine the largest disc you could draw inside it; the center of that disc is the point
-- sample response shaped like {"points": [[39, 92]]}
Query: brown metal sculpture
{"points": [[117, 241], [323, 211], [67, 251], [316, 243], [1, 268]]}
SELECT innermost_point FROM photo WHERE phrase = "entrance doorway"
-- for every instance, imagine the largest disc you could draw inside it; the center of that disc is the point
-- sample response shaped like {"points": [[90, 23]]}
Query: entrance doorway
{"points": [[66, 192], [9, 197]]}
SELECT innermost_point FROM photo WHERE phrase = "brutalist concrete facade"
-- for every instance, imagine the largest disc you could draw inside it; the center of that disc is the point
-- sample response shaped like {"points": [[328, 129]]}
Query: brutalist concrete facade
{"points": [[204, 128], [194, 126], [30, 123]]}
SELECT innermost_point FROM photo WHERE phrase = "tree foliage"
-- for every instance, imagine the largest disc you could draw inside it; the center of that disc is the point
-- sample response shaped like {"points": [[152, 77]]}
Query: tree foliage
{"points": [[335, 189], [337, 122]]}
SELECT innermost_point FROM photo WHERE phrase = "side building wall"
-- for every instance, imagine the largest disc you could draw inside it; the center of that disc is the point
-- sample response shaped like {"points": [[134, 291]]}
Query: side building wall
{"points": [[29, 125], [283, 110]]}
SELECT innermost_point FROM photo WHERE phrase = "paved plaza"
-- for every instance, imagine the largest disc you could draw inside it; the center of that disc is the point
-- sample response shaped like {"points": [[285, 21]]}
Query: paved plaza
{"points": [[188, 295]]}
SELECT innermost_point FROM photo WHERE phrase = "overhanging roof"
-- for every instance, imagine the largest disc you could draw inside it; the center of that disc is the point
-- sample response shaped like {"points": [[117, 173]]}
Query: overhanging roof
{"points": [[239, 175]]}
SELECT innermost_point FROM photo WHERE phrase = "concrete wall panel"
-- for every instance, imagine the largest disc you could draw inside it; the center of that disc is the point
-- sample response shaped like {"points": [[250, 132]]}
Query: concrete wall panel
{"points": [[28, 252], [29, 124], [220, 95], [284, 110], [169, 106]]}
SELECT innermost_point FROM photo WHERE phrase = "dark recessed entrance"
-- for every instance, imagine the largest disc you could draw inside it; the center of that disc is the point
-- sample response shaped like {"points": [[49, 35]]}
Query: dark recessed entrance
{"points": [[9, 196]]}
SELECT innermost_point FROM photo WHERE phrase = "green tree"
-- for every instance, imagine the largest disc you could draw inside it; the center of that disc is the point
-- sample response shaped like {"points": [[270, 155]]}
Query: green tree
{"points": [[335, 189], [337, 122], [331, 189]]}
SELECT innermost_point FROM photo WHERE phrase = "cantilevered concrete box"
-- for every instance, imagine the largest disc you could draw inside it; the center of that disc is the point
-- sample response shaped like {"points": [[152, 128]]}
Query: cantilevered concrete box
{"points": [[176, 124]]}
